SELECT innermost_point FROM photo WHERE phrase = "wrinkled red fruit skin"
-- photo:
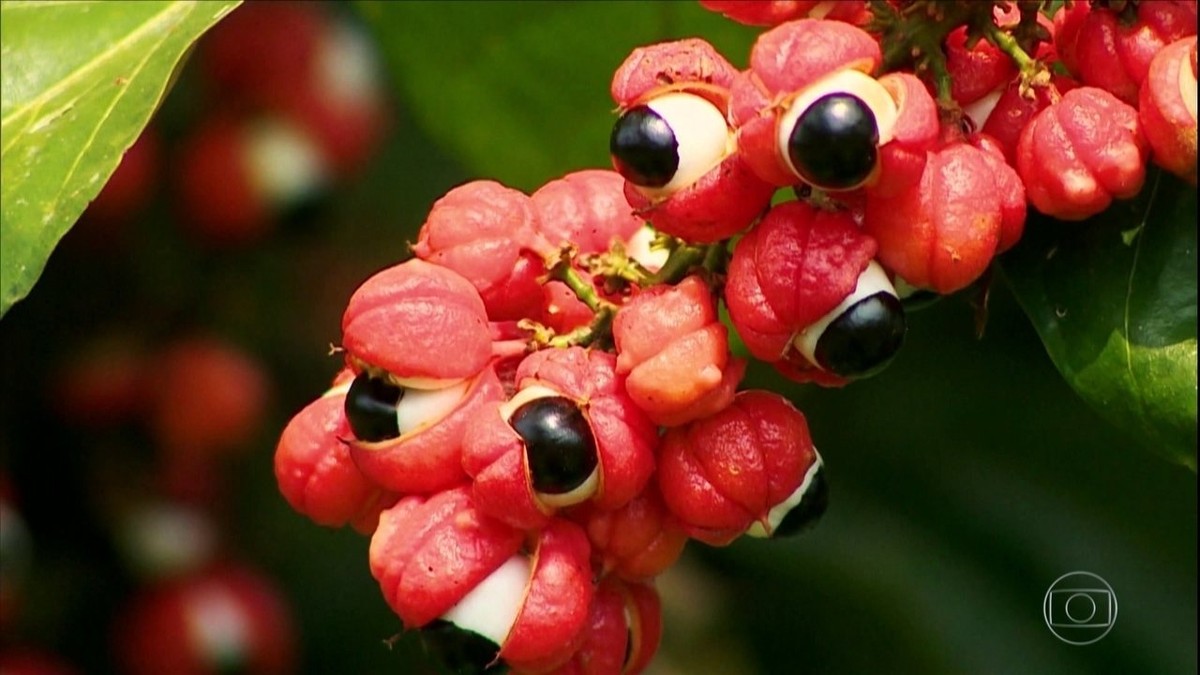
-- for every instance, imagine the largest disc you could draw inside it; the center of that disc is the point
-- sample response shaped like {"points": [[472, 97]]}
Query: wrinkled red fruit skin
{"points": [[1105, 52], [549, 627], [624, 620], [783, 61], [942, 234], [429, 552], [645, 610], [1013, 112], [720, 474], [494, 455], [636, 542], [729, 197], [488, 233], [675, 352], [157, 633], [976, 72], [791, 269], [775, 12], [692, 65], [1169, 124], [902, 159], [429, 459], [1013, 206], [1079, 154], [586, 209], [209, 400], [315, 472], [407, 318]]}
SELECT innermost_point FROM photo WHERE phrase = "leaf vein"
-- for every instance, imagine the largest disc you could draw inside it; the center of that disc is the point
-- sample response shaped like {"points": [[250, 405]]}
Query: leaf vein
{"points": [[108, 114], [1137, 249], [153, 23]]}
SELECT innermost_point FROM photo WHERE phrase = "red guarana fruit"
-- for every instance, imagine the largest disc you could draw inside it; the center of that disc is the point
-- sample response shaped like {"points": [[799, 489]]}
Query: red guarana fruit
{"points": [[675, 353], [622, 633], [409, 405], [636, 542], [1167, 108], [569, 434], [775, 12], [463, 578], [675, 147], [942, 234], [489, 234], [1108, 52], [750, 468], [805, 296], [314, 469], [1080, 153]]}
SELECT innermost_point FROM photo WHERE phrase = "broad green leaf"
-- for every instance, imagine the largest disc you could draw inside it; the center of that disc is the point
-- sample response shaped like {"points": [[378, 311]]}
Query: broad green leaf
{"points": [[80, 82], [519, 91], [1114, 301]]}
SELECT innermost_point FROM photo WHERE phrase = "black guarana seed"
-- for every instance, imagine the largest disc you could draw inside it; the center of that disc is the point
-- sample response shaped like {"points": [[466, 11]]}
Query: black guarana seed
{"points": [[558, 442], [834, 144], [863, 340], [460, 651], [810, 509], [644, 148], [371, 408]]}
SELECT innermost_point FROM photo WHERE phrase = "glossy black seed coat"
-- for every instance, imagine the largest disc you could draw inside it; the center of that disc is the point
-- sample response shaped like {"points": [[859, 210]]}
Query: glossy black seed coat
{"points": [[863, 340], [812, 505], [371, 408], [834, 144], [460, 651], [558, 443], [644, 148]]}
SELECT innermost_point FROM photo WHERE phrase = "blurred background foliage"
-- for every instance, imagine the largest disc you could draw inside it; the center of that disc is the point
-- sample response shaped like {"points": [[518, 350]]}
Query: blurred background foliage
{"points": [[964, 480]]}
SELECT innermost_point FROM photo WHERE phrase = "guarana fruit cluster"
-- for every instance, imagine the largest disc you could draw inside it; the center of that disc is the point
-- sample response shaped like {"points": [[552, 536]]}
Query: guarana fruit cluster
{"points": [[538, 410]]}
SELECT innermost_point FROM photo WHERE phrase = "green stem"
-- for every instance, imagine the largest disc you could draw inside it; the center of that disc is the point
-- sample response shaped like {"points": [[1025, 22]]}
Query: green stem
{"points": [[600, 328], [583, 289], [714, 257], [1009, 45], [678, 264]]}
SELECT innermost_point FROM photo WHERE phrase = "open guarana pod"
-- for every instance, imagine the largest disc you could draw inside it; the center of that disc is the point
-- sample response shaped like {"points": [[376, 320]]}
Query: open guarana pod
{"points": [[379, 409], [675, 146], [831, 132], [804, 294], [570, 434], [409, 439], [669, 142], [860, 336], [801, 510], [529, 613], [559, 445]]}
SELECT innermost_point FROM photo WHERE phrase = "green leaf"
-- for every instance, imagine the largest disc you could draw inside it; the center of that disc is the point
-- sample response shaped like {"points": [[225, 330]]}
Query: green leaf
{"points": [[80, 82], [519, 91], [1114, 301]]}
